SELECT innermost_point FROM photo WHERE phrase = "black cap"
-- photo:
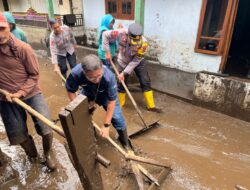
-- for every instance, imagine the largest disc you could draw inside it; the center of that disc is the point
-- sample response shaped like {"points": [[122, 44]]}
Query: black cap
{"points": [[135, 30], [52, 21]]}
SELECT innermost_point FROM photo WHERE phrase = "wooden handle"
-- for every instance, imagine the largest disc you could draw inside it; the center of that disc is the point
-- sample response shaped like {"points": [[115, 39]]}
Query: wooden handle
{"points": [[111, 141], [131, 156], [61, 76], [35, 113], [129, 94], [125, 86]]}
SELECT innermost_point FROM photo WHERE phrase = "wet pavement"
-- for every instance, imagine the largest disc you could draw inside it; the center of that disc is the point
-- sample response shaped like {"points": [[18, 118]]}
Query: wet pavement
{"points": [[206, 149]]}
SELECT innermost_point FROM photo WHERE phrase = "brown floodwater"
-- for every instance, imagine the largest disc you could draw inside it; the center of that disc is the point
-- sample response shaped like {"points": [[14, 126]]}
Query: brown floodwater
{"points": [[206, 149]]}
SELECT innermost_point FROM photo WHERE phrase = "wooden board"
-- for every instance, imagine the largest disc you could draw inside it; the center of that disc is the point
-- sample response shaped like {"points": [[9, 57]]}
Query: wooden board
{"points": [[79, 133]]}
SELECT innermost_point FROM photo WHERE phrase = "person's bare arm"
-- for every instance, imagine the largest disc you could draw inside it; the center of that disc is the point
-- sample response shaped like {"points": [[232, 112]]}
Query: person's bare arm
{"points": [[109, 114]]}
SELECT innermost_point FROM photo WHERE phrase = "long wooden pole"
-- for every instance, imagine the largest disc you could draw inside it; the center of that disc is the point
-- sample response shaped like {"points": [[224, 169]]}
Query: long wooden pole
{"points": [[129, 94], [35, 113], [61, 76], [131, 156]]}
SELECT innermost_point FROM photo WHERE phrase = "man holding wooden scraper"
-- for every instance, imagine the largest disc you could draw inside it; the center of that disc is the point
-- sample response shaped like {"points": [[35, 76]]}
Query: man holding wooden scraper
{"points": [[132, 48], [19, 77]]}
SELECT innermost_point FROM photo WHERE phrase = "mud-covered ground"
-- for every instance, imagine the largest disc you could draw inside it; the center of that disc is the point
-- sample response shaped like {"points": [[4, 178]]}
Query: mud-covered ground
{"points": [[206, 149]]}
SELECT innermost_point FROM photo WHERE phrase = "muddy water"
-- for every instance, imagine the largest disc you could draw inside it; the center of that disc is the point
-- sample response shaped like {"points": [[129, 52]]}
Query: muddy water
{"points": [[206, 150]]}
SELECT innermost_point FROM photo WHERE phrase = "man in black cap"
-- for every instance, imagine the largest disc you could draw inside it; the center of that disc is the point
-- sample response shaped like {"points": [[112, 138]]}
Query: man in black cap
{"points": [[132, 48]]}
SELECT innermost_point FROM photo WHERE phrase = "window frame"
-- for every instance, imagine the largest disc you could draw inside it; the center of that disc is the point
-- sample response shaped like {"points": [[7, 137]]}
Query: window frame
{"points": [[119, 14], [224, 30]]}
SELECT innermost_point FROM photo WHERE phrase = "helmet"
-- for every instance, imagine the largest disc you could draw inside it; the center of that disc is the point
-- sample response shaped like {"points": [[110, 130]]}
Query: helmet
{"points": [[134, 33], [134, 30]]}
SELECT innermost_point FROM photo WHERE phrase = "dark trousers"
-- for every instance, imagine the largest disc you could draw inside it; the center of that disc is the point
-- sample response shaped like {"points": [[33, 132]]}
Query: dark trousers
{"points": [[63, 65], [107, 63], [143, 76], [14, 118]]}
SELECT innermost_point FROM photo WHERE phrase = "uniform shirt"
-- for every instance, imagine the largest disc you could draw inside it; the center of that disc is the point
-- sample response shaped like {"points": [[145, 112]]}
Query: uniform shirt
{"points": [[107, 90], [62, 44], [129, 56], [18, 68], [108, 41]]}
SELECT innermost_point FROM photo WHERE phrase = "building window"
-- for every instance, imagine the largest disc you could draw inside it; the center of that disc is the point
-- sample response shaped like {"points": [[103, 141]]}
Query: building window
{"points": [[60, 2], [120, 9], [213, 26]]}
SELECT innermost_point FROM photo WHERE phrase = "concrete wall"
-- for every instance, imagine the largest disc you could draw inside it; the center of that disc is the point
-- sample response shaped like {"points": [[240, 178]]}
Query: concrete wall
{"points": [[34, 34], [93, 12], [223, 94], [77, 7], [39, 5], [173, 26], [1, 6], [19, 6], [64, 8]]}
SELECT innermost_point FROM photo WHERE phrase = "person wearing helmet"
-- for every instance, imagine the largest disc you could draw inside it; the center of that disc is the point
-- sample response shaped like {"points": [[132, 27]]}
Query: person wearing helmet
{"points": [[99, 85], [17, 32], [132, 48]]}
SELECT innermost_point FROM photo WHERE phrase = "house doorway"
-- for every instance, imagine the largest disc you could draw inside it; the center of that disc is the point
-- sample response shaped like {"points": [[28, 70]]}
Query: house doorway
{"points": [[238, 60]]}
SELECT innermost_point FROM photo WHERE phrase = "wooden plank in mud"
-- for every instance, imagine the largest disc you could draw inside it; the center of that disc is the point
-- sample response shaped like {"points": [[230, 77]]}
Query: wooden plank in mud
{"points": [[161, 177], [79, 133]]}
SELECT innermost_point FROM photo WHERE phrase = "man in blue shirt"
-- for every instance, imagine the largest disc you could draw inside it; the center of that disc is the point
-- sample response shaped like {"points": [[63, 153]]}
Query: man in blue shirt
{"points": [[98, 83]]}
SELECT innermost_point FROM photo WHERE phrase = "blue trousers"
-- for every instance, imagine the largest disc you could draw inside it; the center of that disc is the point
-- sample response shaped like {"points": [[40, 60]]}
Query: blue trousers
{"points": [[118, 120], [14, 118]]}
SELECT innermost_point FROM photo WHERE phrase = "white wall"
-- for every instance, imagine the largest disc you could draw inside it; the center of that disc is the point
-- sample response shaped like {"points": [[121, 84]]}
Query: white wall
{"points": [[171, 27], [93, 11], [38, 5], [2, 10], [18, 6], [77, 6], [24, 5], [62, 9], [174, 25]]}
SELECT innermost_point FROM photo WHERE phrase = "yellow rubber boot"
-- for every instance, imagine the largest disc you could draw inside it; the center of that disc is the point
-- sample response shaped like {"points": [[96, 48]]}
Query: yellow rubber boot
{"points": [[149, 97], [122, 98]]}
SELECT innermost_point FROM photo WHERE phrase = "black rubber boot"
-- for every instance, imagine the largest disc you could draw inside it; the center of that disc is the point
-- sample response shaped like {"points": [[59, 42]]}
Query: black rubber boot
{"points": [[47, 148], [123, 139], [30, 149]]}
